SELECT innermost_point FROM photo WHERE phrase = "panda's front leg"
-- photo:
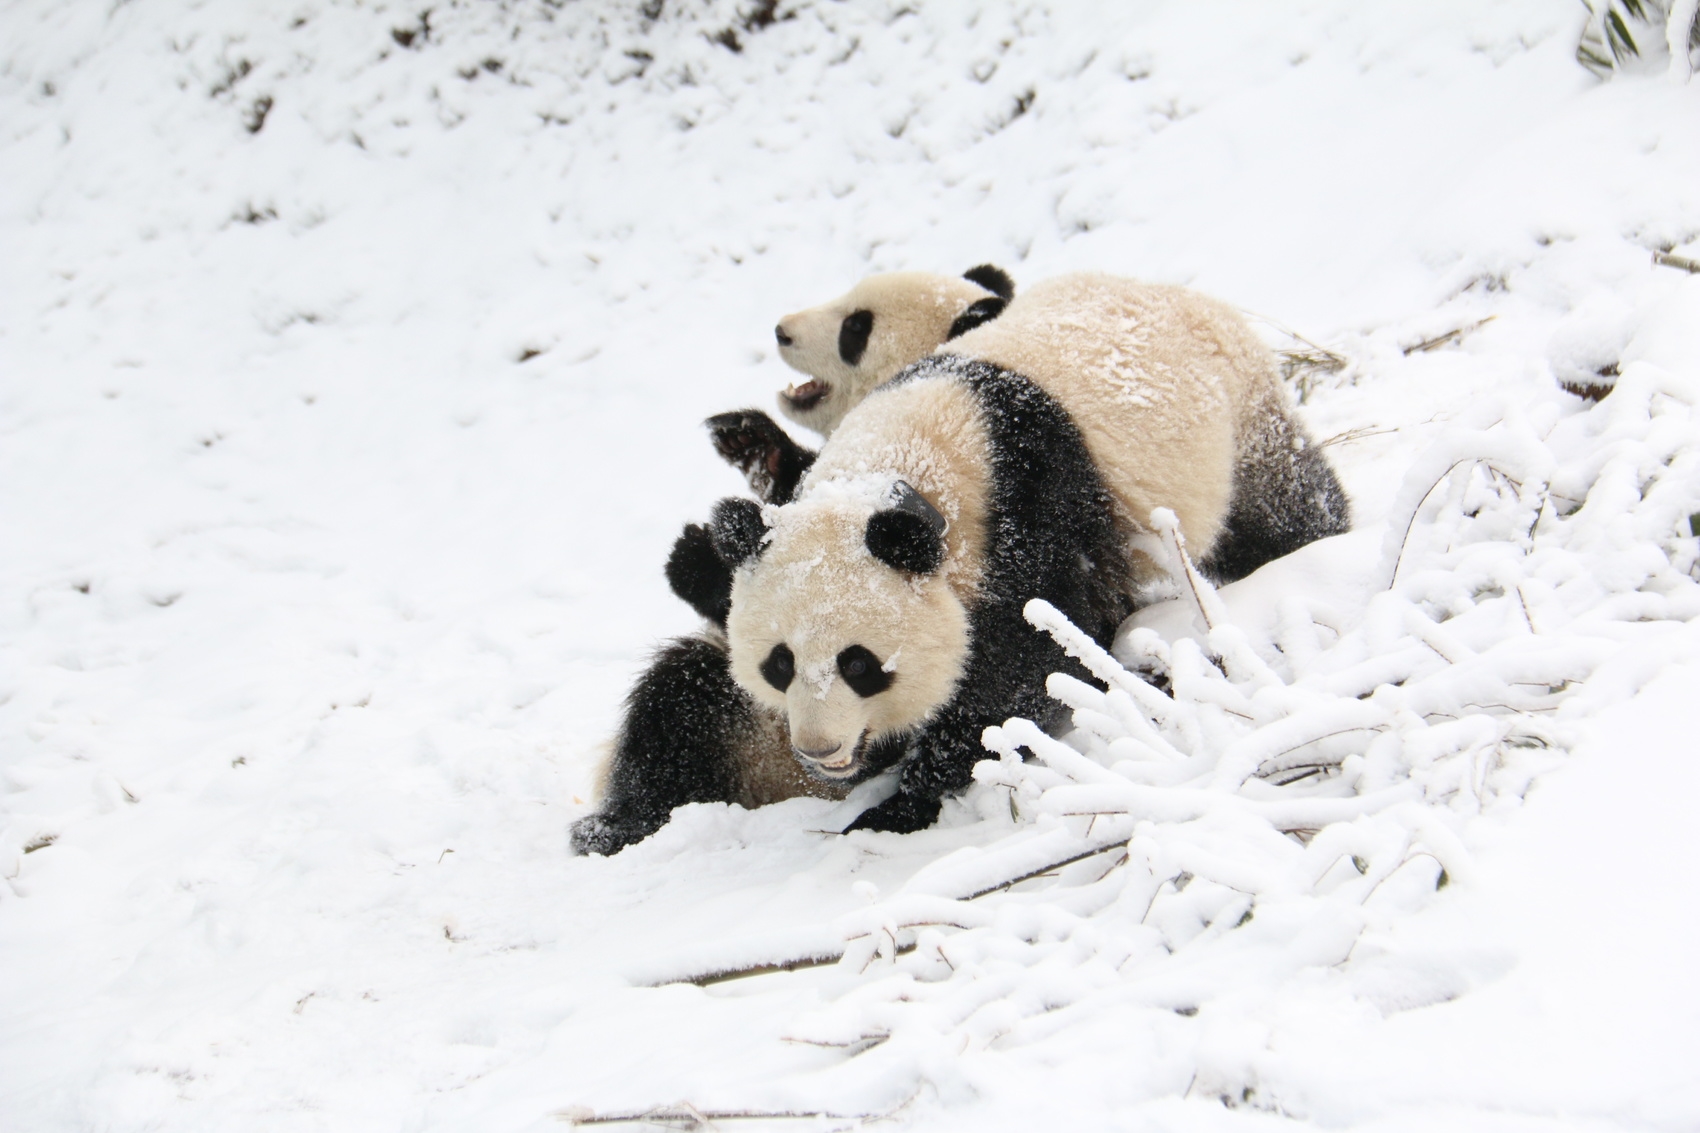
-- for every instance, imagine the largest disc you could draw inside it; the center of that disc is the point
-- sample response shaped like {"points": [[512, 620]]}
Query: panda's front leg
{"points": [[770, 460], [902, 813], [685, 723], [699, 569], [941, 764], [1005, 677], [697, 574]]}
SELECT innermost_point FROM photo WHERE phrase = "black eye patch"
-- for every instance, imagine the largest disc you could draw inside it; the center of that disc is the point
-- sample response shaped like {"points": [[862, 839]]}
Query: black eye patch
{"points": [[853, 336], [779, 667], [861, 671]]}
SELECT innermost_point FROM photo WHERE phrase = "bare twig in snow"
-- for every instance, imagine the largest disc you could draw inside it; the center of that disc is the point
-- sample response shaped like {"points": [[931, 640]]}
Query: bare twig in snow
{"points": [[1453, 335], [1042, 870], [687, 1116], [793, 965], [1362, 432]]}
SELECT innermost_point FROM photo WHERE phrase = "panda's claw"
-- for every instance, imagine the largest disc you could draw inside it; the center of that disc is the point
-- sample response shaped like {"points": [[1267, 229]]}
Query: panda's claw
{"points": [[753, 443]]}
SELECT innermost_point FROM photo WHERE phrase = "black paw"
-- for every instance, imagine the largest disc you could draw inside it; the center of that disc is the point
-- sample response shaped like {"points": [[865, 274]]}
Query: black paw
{"points": [[753, 443], [600, 834], [737, 531], [900, 814], [698, 574]]}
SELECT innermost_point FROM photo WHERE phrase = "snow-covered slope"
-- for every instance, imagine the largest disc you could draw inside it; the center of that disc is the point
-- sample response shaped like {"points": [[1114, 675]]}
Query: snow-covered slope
{"points": [[351, 364]]}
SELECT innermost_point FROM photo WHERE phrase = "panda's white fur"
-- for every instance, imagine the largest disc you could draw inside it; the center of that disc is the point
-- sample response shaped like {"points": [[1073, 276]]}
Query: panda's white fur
{"points": [[818, 589], [1167, 385], [912, 314], [1167, 389]]}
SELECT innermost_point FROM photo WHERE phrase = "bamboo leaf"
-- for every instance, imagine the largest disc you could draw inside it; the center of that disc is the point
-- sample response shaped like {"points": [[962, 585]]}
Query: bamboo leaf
{"points": [[1593, 60], [1617, 34]]}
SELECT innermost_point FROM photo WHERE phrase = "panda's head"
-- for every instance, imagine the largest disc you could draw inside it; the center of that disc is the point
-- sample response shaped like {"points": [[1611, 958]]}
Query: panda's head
{"points": [[840, 619], [851, 345]]}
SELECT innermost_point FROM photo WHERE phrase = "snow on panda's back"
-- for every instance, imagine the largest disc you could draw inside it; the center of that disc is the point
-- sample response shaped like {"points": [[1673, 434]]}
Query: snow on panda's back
{"points": [[1160, 380]]}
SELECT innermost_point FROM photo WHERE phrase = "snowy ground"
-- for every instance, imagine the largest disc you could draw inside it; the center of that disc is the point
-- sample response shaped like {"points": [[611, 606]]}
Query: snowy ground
{"points": [[351, 365]]}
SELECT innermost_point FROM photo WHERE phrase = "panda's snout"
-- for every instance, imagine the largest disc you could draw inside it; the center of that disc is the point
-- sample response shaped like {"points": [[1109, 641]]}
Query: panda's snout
{"points": [[784, 339], [830, 763]]}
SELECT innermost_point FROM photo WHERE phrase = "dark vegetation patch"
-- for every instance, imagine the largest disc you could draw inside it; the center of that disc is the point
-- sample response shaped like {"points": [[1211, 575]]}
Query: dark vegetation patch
{"points": [[489, 66], [254, 119], [1594, 391], [233, 74], [416, 36], [1023, 103], [759, 16]]}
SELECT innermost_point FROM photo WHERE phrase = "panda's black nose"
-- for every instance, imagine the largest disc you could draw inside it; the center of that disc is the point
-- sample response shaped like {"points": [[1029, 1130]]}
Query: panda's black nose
{"points": [[779, 333]]}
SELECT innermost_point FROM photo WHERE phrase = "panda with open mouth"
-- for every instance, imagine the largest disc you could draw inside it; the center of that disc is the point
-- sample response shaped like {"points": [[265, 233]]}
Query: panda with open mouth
{"points": [[857, 342], [847, 348], [881, 609]]}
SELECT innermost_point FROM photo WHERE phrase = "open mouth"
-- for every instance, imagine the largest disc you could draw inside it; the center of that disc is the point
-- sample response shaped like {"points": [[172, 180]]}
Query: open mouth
{"points": [[840, 768], [806, 396]]}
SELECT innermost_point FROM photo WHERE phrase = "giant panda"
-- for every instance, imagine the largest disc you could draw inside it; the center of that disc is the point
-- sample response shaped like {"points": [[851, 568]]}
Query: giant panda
{"points": [[846, 348], [688, 732], [881, 609]]}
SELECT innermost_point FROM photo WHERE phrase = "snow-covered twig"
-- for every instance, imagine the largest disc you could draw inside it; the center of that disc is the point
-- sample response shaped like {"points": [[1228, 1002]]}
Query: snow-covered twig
{"points": [[686, 1116]]}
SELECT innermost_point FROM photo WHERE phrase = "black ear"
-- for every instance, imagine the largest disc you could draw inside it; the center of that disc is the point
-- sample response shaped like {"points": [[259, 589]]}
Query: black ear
{"points": [[993, 279], [978, 313], [737, 531], [853, 336], [698, 574], [908, 535]]}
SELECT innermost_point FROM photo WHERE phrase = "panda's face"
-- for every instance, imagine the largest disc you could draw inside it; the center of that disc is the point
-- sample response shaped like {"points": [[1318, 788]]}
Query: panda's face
{"points": [[853, 344], [853, 650]]}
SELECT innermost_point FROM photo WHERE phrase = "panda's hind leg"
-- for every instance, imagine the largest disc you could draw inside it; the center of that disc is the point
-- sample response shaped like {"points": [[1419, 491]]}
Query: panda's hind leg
{"points": [[686, 722], [1285, 496]]}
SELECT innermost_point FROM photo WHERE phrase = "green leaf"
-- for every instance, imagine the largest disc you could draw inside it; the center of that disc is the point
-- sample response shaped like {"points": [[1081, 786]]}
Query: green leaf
{"points": [[1634, 8], [1593, 60], [1617, 34]]}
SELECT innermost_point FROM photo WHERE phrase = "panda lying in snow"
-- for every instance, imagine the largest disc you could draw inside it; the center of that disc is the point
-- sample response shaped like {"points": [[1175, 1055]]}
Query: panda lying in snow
{"points": [[882, 612], [690, 734]]}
